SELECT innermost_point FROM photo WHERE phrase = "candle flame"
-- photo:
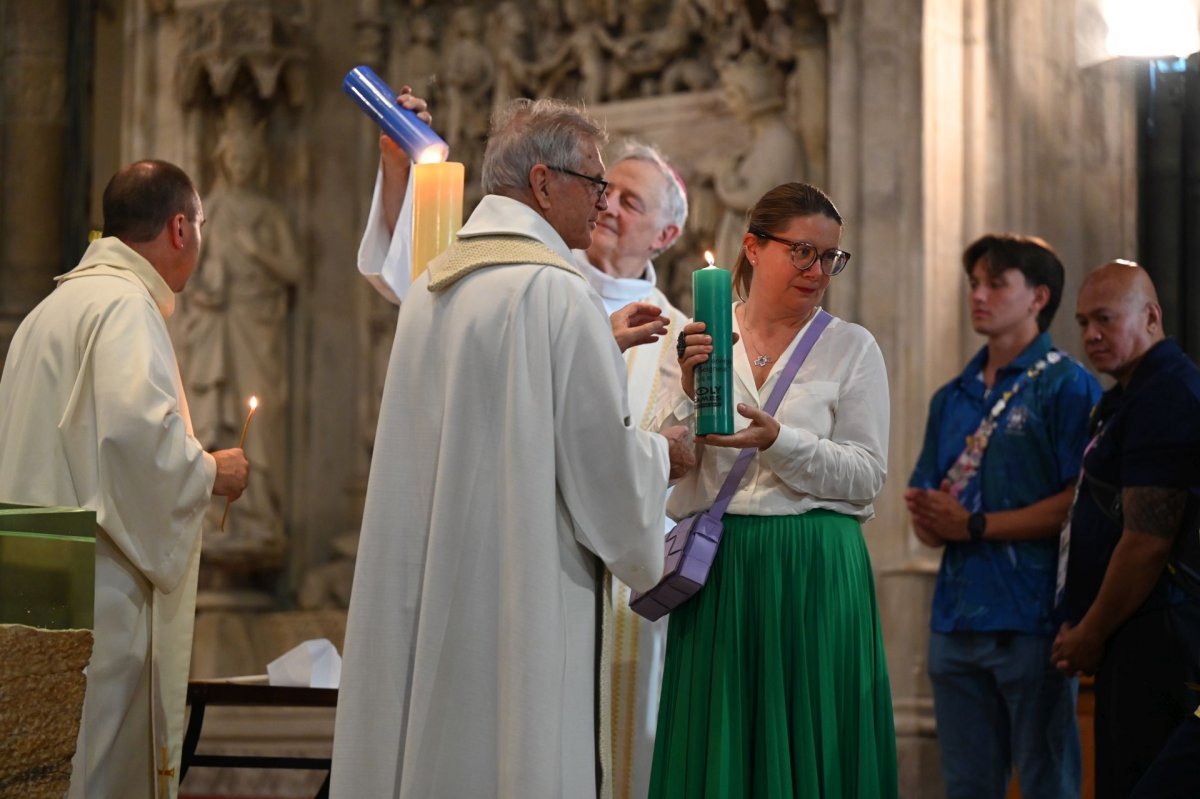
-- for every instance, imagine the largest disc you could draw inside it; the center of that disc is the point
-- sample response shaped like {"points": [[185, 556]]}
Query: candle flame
{"points": [[433, 154], [253, 403], [708, 256]]}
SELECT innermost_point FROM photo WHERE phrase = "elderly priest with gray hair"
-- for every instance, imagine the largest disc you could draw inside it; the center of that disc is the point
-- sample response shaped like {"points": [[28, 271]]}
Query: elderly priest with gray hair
{"points": [[507, 475]]}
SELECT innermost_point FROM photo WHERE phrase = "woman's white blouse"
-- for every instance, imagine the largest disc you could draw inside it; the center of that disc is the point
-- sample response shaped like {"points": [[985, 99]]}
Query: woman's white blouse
{"points": [[832, 446]]}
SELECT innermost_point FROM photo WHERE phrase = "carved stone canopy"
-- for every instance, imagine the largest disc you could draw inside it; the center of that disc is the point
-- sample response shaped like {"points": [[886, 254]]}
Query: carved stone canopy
{"points": [[226, 38]]}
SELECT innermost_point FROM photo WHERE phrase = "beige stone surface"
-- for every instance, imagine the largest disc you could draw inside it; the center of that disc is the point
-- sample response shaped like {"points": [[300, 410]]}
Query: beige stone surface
{"points": [[41, 703]]}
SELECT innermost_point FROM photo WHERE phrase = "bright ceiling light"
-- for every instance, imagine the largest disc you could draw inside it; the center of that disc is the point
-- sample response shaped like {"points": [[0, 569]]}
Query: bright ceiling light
{"points": [[1152, 28]]}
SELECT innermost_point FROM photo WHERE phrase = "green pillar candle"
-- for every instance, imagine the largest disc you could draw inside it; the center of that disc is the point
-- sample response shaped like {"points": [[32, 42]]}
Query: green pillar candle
{"points": [[713, 303]]}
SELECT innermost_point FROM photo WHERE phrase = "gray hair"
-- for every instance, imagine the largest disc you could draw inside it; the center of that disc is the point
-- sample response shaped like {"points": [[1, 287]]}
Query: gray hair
{"points": [[529, 132], [675, 205]]}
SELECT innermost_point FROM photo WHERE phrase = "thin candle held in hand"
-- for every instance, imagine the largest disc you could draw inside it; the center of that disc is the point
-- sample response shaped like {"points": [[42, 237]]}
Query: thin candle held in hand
{"points": [[712, 299], [241, 445]]}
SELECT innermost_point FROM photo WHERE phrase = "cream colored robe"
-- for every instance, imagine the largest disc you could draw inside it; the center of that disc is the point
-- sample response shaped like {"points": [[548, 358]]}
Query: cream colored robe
{"points": [[506, 475], [637, 647], [92, 414]]}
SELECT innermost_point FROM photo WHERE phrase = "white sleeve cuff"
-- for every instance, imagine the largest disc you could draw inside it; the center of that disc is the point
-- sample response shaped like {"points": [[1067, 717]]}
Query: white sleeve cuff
{"points": [[791, 446], [389, 258]]}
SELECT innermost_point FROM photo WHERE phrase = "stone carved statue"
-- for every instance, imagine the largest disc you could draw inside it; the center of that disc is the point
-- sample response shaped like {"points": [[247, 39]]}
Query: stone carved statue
{"points": [[583, 51], [798, 44], [469, 75], [466, 89], [656, 58], [235, 318], [754, 92], [416, 60], [506, 32]]}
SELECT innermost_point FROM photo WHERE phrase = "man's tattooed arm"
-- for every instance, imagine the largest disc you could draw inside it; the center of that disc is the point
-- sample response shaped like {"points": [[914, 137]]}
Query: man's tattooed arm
{"points": [[1154, 511]]}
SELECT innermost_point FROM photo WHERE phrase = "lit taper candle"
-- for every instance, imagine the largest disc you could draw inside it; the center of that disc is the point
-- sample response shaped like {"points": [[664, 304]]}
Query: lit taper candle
{"points": [[253, 403], [712, 301]]}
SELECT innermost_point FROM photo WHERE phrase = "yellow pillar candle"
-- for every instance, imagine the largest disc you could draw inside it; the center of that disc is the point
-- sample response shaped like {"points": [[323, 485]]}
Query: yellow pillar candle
{"points": [[437, 211], [713, 305]]}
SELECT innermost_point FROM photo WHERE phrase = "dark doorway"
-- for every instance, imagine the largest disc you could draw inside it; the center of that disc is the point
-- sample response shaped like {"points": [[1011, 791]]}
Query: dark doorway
{"points": [[1169, 191]]}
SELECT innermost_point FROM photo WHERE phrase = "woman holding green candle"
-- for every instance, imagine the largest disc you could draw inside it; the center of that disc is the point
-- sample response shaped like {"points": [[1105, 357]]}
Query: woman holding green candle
{"points": [[775, 683]]}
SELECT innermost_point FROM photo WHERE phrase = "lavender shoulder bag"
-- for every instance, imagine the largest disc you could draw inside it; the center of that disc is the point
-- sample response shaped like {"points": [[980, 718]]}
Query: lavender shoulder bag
{"points": [[692, 543]]}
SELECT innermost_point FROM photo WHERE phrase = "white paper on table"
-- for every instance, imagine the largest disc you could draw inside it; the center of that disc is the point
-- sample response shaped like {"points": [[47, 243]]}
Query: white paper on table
{"points": [[313, 664]]}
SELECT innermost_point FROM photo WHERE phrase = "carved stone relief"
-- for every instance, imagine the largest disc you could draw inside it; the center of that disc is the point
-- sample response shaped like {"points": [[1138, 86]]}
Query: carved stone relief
{"points": [[235, 316], [767, 58], [753, 90], [241, 75]]}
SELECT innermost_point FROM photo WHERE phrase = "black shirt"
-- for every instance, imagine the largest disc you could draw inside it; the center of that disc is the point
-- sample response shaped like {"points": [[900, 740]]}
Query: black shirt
{"points": [[1147, 434]]}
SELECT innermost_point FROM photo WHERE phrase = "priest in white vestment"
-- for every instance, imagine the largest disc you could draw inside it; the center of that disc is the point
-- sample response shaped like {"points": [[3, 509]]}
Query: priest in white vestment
{"points": [[647, 210], [93, 415], [507, 475]]}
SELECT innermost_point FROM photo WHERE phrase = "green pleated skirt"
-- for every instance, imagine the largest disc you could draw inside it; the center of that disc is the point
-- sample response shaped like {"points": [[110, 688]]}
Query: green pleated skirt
{"points": [[775, 682]]}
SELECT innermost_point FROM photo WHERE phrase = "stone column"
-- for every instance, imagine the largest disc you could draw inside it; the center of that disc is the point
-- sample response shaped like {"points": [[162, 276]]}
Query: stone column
{"points": [[33, 125], [376, 318], [879, 179]]}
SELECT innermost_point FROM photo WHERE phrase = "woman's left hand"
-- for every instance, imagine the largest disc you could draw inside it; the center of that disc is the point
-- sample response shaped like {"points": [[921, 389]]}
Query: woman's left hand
{"points": [[761, 433]]}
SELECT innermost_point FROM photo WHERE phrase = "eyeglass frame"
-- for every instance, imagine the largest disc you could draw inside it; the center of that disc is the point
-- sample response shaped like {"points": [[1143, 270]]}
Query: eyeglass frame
{"points": [[817, 256], [600, 183]]}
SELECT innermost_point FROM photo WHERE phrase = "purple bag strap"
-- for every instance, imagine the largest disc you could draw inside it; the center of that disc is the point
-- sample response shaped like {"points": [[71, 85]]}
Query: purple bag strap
{"points": [[786, 376]]}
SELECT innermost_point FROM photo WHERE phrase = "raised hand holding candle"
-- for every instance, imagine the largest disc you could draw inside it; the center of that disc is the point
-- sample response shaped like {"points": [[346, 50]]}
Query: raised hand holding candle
{"points": [[241, 445], [712, 299], [437, 211], [437, 184], [403, 126]]}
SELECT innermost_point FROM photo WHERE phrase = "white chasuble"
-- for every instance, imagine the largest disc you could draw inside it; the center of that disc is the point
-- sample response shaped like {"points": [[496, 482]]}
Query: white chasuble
{"points": [[636, 646], [506, 476], [94, 416]]}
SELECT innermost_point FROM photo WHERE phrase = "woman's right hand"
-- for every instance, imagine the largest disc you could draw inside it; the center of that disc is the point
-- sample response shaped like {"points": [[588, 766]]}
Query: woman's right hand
{"points": [[693, 347]]}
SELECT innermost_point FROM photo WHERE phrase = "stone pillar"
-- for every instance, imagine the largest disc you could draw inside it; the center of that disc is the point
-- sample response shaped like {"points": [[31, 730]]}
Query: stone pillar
{"points": [[376, 316], [878, 178], [33, 125]]}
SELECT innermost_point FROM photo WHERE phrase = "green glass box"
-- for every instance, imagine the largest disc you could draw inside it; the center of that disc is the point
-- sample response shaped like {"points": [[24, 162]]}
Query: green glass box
{"points": [[47, 566]]}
